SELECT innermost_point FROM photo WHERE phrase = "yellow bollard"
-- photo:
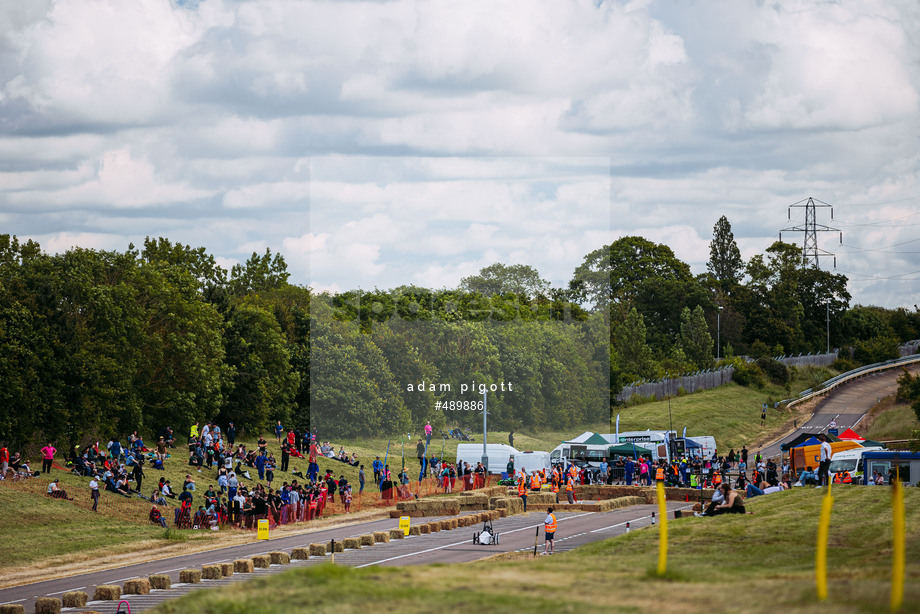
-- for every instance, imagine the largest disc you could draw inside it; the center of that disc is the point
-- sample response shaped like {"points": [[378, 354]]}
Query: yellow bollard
{"points": [[821, 552], [662, 531], [897, 545]]}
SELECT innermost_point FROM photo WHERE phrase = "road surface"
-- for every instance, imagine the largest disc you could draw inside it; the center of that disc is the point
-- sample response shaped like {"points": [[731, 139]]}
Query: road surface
{"points": [[845, 405]]}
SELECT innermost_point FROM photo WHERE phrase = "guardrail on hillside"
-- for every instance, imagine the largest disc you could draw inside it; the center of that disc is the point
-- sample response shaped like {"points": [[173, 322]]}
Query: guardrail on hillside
{"points": [[843, 378]]}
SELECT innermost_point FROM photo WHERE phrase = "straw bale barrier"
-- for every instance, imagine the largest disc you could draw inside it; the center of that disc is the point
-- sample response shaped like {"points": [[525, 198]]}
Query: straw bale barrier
{"points": [[395, 534], [541, 498], [382, 537], [243, 566], [261, 561], [395, 514], [138, 586], [160, 581], [453, 523], [190, 576], [473, 501], [107, 592], [369, 540], [424, 529], [47, 605], [211, 572], [300, 554], [317, 549], [352, 543], [226, 569], [442, 506], [74, 599], [620, 502], [280, 558], [495, 491], [339, 546], [502, 513], [514, 505], [12, 608], [446, 525], [414, 530], [434, 527]]}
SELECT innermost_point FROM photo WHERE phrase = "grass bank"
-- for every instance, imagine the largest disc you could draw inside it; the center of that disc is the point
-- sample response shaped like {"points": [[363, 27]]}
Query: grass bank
{"points": [[754, 563]]}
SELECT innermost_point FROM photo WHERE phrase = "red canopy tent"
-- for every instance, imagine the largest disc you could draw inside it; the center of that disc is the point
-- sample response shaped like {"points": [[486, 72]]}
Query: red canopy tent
{"points": [[850, 435]]}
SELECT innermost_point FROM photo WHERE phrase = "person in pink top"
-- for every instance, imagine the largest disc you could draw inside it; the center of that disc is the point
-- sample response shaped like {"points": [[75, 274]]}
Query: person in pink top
{"points": [[427, 434], [47, 456]]}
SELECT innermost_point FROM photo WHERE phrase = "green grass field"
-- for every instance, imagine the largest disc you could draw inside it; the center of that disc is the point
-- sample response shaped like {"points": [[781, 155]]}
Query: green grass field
{"points": [[754, 563], [890, 419]]}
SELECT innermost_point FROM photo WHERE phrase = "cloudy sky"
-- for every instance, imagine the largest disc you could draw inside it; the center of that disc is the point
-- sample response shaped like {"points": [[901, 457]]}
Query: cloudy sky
{"points": [[388, 142]]}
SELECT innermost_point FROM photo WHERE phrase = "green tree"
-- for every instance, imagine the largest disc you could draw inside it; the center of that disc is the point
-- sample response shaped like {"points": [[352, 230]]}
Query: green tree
{"points": [[695, 340], [635, 356], [725, 262], [259, 273], [499, 278]]}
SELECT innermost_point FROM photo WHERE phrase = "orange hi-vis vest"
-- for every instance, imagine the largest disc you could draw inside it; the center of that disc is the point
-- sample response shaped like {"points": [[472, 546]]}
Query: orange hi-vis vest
{"points": [[659, 474], [535, 481], [522, 488], [555, 486], [551, 527], [847, 478], [570, 483], [717, 479], [543, 476]]}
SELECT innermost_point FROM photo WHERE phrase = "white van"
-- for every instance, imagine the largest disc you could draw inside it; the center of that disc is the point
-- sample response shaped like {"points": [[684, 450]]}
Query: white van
{"points": [[531, 461], [590, 455], [850, 460], [499, 454], [707, 446]]}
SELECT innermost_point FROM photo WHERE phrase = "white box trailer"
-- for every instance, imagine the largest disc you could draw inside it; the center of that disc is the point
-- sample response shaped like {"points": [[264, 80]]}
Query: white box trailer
{"points": [[532, 461], [499, 454]]}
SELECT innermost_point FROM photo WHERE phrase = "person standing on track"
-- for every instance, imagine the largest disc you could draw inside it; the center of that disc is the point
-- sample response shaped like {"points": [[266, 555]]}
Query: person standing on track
{"points": [[549, 531], [826, 453], [522, 487]]}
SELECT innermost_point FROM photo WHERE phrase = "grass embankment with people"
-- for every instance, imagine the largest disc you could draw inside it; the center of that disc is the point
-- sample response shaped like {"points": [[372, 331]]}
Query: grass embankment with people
{"points": [[734, 563]]}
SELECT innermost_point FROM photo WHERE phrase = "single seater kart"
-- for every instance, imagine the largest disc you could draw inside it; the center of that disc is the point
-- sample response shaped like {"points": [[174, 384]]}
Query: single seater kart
{"points": [[487, 536]]}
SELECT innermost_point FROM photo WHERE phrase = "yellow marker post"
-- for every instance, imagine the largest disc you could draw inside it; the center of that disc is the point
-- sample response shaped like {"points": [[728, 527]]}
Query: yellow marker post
{"points": [[662, 531], [897, 543], [404, 524], [821, 552], [263, 529]]}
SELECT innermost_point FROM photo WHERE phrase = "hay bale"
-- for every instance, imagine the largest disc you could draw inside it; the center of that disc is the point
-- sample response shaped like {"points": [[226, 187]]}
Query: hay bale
{"points": [[280, 558], [190, 576], [541, 498], [620, 502], [261, 561], [453, 523], [243, 566], [502, 513], [138, 586], [47, 605], [368, 540], [434, 527], [317, 549], [74, 599], [382, 537], [424, 529], [415, 530], [441, 506], [107, 592], [12, 608], [160, 581], [396, 534], [339, 546], [445, 525], [514, 505], [226, 569], [211, 572], [300, 554], [352, 543]]}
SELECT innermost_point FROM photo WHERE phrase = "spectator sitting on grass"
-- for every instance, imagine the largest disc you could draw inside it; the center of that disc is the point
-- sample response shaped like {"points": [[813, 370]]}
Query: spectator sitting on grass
{"points": [[808, 477], [156, 517], [55, 491]]}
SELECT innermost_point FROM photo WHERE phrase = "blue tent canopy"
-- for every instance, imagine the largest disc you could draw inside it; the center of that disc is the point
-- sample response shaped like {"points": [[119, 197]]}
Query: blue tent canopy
{"points": [[811, 441]]}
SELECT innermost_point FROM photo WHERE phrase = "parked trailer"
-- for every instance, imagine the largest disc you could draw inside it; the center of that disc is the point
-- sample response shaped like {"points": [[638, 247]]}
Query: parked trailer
{"points": [[885, 462]]}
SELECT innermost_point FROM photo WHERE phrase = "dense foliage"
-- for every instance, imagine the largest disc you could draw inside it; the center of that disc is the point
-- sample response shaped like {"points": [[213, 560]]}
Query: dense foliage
{"points": [[98, 343]]}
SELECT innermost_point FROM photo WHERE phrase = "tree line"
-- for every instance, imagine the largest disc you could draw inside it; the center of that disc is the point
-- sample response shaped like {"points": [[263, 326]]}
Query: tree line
{"points": [[98, 343]]}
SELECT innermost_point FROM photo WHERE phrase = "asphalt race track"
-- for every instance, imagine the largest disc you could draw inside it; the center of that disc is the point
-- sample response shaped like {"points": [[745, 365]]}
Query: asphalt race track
{"points": [[845, 406], [456, 546]]}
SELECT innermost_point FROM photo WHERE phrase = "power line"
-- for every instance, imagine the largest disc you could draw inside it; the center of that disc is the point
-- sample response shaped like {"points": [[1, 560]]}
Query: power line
{"points": [[811, 253]]}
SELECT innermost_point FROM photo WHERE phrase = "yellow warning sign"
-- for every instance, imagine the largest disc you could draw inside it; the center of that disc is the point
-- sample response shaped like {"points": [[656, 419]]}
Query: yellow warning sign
{"points": [[404, 524], [263, 529]]}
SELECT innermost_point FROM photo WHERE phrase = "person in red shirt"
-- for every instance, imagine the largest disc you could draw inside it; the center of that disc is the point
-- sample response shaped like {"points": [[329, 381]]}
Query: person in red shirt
{"points": [[4, 461], [47, 456]]}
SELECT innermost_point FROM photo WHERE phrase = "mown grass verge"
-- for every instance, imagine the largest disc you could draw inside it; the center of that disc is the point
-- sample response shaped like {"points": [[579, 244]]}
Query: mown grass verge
{"points": [[755, 563]]}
